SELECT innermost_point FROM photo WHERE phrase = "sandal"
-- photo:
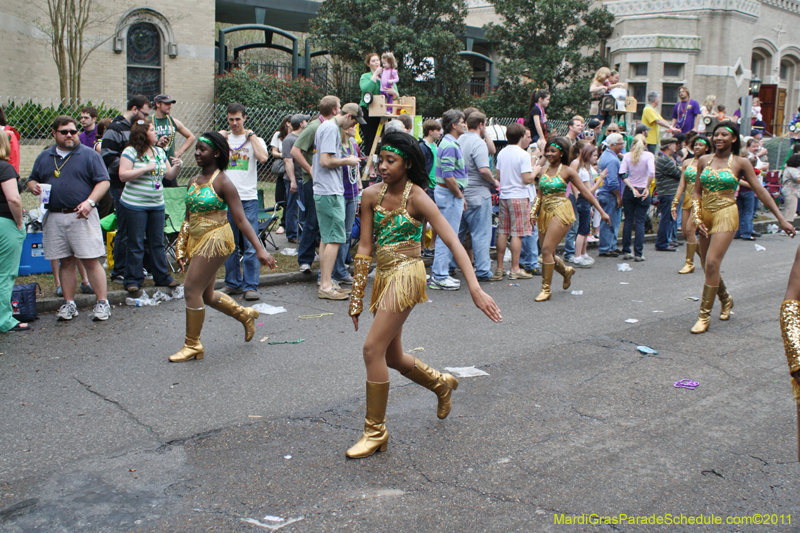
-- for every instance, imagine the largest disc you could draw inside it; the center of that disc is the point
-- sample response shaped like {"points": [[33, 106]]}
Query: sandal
{"points": [[498, 275], [21, 327]]}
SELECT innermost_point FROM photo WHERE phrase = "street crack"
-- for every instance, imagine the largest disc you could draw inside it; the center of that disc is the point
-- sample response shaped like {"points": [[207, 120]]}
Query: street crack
{"points": [[117, 405]]}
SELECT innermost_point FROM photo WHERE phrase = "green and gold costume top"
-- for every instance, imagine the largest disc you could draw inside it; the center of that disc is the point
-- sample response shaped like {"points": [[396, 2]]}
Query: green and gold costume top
{"points": [[690, 174], [201, 198], [553, 184], [719, 180], [396, 226]]}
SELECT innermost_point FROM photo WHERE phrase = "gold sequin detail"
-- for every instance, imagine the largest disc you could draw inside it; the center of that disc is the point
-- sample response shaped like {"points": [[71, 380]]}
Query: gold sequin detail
{"points": [[555, 206], [721, 180], [361, 265], [790, 330], [552, 184]]}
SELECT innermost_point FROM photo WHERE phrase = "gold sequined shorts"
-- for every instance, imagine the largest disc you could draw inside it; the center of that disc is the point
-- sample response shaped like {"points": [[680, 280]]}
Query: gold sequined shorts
{"points": [[687, 196], [719, 212], [210, 235], [555, 206], [399, 278]]}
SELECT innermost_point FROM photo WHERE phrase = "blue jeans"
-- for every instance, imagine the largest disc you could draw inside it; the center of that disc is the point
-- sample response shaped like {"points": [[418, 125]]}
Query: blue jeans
{"points": [[569, 240], [746, 202], [340, 266], [452, 209], [635, 214], [291, 210], [608, 233], [250, 264], [121, 238], [529, 256], [477, 219], [665, 223], [148, 223], [310, 235]]}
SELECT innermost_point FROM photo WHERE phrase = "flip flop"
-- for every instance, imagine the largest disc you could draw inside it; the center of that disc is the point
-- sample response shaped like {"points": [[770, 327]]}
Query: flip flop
{"points": [[18, 327]]}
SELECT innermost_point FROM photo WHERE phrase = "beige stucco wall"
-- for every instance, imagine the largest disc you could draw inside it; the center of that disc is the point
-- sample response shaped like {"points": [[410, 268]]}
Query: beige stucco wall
{"points": [[31, 72]]}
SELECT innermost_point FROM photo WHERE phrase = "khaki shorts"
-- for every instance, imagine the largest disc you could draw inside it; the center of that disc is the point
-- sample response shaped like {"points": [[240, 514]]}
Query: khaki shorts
{"points": [[66, 235], [330, 215]]}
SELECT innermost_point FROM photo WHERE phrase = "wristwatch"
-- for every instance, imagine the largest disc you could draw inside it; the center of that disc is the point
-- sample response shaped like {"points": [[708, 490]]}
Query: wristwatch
{"points": [[91, 202]]}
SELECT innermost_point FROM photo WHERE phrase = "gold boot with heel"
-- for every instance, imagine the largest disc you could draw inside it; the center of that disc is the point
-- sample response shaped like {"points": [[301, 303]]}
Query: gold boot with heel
{"points": [[245, 315], [706, 304], [375, 438], [691, 249], [442, 384], [565, 271], [192, 349], [547, 281], [725, 301]]}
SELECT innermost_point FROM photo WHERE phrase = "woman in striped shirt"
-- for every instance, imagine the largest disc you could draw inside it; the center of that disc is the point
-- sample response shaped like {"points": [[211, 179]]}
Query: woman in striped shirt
{"points": [[142, 168]]}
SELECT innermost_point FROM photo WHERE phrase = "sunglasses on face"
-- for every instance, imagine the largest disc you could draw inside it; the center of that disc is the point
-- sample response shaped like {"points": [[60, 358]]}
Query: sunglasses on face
{"points": [[68, 132]]}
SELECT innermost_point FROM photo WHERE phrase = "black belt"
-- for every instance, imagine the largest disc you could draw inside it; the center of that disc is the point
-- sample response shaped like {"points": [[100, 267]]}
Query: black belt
{"points": [[66, 210]]}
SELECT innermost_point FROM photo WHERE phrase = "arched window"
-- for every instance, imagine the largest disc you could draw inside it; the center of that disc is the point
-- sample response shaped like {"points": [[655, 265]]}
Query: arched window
{"points": [[144, 60]]}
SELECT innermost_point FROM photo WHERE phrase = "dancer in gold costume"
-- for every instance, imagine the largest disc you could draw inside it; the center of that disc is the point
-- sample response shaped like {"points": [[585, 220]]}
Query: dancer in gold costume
{"points": [[702, 146], [790, 330], [717, 217], [206, 240], [393, 210], [553, 211]]}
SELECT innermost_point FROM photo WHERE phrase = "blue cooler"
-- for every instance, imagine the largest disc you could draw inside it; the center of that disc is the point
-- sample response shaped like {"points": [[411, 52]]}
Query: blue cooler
{"points": [[32, 260]]}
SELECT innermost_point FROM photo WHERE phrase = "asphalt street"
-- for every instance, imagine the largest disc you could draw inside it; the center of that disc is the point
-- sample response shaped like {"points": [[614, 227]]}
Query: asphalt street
{"points": [[100, 433]]}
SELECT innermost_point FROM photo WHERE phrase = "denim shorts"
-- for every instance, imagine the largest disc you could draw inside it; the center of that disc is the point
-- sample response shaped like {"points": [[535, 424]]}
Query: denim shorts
{"points": [[584, 211]]}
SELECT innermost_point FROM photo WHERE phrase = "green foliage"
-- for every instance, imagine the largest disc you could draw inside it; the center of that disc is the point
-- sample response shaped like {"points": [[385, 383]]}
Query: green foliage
{"points": [[266, 91], [552, 42], [413, 31], [33, 120]]}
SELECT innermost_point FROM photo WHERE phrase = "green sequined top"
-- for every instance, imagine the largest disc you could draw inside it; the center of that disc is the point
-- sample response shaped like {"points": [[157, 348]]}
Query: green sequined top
{"points": [[201, 198], [553, 184], [396, 226], [690, 174], [719, 180]]}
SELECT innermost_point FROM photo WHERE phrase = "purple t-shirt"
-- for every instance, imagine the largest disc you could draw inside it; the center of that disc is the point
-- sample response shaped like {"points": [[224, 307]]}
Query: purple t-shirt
{"points": [[88, 138], [685, 113]]}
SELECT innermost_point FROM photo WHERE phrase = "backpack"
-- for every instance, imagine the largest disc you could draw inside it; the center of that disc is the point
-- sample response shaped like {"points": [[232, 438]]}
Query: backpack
{"points": [[23, 302]]}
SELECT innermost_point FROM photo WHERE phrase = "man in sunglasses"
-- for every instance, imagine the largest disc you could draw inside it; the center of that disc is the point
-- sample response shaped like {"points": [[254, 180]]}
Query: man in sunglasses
{"points": [[75, 179], [115, 139]]}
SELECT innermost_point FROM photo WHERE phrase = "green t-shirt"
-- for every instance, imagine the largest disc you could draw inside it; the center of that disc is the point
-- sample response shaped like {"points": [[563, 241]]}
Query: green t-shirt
{"points": [[435, 151], [306, 144], [166, 127]]}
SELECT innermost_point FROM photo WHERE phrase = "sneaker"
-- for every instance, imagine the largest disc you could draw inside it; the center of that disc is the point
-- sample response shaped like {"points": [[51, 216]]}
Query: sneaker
{"points": [[67, 312], [534, 271], [345, 281], [582, 262], [85, 289], [427, 252], [59, 291], [231, 291], [446, 284], [332, 294], [118, 279], [147, 275], [280, 231], [305, 268], [102, 311], [639, 258], [570, 259], [627, 255], [251, 295], [454, 280], [609, 254], [592, 238]]}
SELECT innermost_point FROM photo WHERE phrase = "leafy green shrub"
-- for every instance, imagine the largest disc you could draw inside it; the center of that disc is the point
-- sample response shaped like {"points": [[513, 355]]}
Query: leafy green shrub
{"points": [[266, 91], [33, 120]]}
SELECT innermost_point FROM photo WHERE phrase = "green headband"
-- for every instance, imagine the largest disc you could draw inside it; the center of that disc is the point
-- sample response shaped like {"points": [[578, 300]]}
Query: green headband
{"points": [[729, 129], [558, 146], [205, 140], [703, 140], [395, 150]]}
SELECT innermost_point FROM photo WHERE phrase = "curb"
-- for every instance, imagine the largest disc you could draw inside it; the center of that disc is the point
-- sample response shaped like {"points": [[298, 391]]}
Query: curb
{"points": [[51, 305]]}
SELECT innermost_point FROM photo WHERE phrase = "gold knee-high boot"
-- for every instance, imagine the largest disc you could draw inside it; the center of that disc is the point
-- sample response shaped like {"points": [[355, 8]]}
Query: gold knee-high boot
{"points": [[704, 318], [691, 249], [725, 300], [565, 271], [375, 437], [442, 384], [192, 349], [245, 315], [547, 280]]}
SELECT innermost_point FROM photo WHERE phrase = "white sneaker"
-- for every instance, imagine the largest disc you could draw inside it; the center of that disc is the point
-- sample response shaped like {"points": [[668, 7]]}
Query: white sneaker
{"points": [[454, 280], [102, 311], [581, 262], [447, 284], [67, 312], [305, 268]]}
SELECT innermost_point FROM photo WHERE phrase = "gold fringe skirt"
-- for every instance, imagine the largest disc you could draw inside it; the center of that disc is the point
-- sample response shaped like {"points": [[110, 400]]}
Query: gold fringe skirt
{"points": [[210, 235], [555, 206], [399, 278], [719, 212], [687, 196]]}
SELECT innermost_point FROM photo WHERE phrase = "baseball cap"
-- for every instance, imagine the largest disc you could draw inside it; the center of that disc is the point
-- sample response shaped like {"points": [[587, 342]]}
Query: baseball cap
{"points": [[298, 119], [355, 110], [164, 99], [666, 141], [641, 128]]}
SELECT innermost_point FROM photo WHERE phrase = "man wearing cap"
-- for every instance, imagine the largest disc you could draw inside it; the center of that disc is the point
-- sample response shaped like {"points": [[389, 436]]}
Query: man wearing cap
{"points": [[294, 173], [653, 120], [166, 128], [668, 176], [329, 193]]}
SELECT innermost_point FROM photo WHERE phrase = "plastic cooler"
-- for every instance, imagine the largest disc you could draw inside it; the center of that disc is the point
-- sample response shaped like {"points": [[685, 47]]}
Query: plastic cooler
{"points": [[32, 260]]}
